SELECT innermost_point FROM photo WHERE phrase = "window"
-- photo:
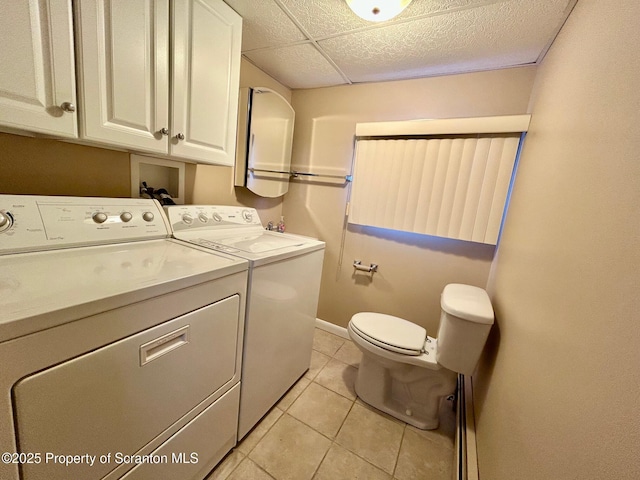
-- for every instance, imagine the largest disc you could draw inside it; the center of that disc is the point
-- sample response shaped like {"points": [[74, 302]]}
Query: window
{"points": [[448, 178]]}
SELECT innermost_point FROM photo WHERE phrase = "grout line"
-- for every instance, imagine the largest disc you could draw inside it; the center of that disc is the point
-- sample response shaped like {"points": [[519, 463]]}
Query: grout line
{"points": [[355, 453], [233, 450], [343, 421], [395, 465], [260, 468], [323, 457]]}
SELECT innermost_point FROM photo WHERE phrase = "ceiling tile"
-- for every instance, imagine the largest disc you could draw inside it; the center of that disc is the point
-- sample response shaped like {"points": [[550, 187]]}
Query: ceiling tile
{"points": [[297, 66], [431, 37], [492, 36], [264, 24], [322, 18]]}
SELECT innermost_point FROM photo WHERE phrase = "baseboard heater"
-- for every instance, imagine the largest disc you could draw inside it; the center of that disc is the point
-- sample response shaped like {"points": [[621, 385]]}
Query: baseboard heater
{"points": [[465, 455]]}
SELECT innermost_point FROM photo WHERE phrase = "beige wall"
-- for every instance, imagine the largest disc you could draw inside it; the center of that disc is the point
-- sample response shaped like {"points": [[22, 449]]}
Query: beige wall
{"points": [[413, 269], [40, 166], [557, 396]]}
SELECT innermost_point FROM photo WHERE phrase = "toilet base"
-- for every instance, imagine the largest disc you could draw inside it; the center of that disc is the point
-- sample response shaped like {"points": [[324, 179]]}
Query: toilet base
{"points": [[407, 392]]}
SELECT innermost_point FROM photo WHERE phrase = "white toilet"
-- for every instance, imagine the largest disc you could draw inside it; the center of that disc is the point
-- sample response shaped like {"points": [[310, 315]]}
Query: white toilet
{"points": [[406, 373]]}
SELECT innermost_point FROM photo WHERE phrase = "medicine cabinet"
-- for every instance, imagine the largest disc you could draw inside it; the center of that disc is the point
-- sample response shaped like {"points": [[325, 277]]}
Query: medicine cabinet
{"points": [[265, 136]]}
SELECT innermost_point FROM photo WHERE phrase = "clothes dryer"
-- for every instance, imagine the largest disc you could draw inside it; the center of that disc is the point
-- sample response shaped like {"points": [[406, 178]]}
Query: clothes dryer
{"points": [[120, 348]]}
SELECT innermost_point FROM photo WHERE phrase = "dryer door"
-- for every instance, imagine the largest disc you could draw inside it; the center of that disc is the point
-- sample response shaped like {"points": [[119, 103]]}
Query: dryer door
{"points": [[117, 399]]}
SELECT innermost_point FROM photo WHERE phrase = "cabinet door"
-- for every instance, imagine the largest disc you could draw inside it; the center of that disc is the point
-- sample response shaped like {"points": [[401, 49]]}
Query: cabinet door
{"points": [[123, 50], [206, 73], [37, 80]]}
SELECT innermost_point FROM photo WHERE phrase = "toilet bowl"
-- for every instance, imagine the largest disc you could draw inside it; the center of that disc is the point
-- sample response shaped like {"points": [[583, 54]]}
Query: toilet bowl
{"points": [[406, 373]]}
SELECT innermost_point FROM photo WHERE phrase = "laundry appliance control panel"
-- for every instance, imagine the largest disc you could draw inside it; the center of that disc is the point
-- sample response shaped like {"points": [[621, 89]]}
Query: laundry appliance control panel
{"points": [[32, 223], [188, 217]]}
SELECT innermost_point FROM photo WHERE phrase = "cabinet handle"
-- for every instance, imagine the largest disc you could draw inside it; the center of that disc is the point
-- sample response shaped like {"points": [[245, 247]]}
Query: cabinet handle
{"points": [[180, 136], [164, 131], [68, 107]]}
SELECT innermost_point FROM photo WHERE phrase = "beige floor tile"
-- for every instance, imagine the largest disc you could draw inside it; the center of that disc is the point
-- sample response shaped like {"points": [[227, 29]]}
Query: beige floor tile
{"points": [[318, 361], [339, 377], [290, 450], [251, 440], [349, 353], [294, 392], [326, 342], [341, 464], [422, 458], [248, 470], [224, 469], [321, 409], [372, 437], [369, 444]]}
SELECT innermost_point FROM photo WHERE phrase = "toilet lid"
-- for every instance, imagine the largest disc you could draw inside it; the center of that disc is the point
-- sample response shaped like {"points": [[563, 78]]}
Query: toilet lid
{"points": [[468, 303], [389, 332]]}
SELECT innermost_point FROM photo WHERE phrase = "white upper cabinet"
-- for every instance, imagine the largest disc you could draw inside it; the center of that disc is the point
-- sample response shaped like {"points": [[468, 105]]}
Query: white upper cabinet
{"points": [[37, 80], [160, 77], [207, 36], [123, 52]]}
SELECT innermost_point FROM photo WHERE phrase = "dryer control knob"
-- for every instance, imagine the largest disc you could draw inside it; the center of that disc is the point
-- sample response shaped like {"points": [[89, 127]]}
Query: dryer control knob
{"points": [[148, 216], [188, 219], [247, 215], [203, 218], [6, 221], [126, 217], [217, 217], [100, 217]]}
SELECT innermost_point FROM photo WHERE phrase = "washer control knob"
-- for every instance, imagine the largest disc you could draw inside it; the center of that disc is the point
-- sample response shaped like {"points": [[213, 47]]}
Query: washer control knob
{"points": [[100, 217], [216, 217], [188, 219], [203, 217], [6, 221], [247, 215], [126, 217], [148, 216]]}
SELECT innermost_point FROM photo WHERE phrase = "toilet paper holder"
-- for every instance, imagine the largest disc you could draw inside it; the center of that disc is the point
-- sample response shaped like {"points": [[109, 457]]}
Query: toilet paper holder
{"points": [[372, 268]]}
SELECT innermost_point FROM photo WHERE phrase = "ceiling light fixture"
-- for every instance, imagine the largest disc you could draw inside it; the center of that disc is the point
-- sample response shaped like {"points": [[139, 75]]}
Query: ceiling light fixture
{"points": [[377, 10]]}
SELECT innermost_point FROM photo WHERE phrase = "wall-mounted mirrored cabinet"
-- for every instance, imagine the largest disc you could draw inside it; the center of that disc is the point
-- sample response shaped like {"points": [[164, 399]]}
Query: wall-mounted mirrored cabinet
{"points": [[265, 136]]}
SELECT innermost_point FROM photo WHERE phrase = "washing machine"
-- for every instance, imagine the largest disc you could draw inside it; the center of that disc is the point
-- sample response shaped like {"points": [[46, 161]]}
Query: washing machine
{"points": [[282, 300], [120, 348]]}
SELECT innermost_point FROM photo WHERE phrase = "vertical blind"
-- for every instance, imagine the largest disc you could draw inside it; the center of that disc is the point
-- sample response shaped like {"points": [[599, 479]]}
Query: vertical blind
{"points": [[453, 186]]}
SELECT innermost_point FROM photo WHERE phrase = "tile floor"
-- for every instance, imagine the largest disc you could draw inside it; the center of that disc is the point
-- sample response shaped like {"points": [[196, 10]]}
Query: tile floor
{"points": [[319, 430]]}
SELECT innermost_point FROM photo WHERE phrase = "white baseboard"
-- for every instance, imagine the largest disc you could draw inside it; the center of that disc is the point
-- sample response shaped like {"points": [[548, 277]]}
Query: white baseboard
{"points": [[332, 328]]}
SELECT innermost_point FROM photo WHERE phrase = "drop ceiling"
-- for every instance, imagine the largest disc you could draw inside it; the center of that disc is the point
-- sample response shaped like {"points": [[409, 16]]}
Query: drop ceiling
{"points": [[319, 43]]}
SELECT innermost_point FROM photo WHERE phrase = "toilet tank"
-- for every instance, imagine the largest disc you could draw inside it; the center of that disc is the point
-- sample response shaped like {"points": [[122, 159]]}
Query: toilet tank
{"points": [[465, 321]]}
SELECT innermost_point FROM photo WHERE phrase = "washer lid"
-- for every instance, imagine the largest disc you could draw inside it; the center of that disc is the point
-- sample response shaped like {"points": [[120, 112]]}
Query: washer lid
{"points": [[467, 302], [390, 332], [260, 241]]}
